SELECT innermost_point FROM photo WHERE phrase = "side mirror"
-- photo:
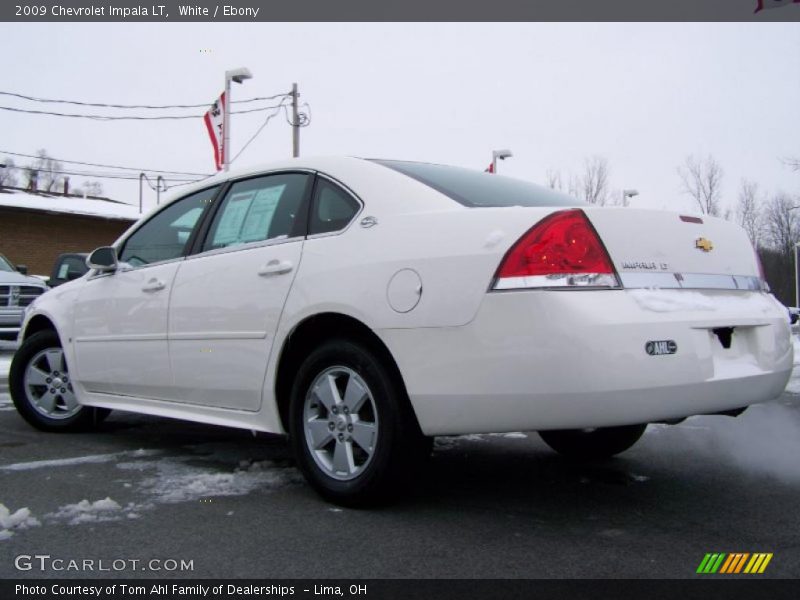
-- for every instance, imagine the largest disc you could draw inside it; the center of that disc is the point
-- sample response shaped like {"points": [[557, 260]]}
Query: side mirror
{"points": [[22, 269], [103, 259]]}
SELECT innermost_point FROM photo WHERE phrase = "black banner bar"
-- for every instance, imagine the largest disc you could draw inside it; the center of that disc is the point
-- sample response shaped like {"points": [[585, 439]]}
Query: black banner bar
{"points": [[402, 10], [710, 588]]}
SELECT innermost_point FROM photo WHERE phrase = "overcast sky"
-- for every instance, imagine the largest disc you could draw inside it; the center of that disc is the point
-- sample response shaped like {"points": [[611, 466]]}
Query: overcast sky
{"points": [[642, 96]]}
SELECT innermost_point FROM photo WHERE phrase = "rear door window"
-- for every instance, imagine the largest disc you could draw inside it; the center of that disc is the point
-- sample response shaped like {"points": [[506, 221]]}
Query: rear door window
{"points": [[332, 209]]}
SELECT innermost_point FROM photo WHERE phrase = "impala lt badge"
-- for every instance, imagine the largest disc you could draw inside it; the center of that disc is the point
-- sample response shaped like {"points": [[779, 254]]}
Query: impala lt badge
{"points": [[660, 348], [704, 244]]}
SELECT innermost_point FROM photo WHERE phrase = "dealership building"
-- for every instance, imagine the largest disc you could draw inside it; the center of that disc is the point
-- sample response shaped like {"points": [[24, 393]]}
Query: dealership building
{"points": [[35, 227]]}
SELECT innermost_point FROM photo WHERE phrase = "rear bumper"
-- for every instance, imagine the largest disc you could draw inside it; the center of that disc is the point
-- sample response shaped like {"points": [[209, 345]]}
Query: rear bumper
{"points": [[534, 360]]}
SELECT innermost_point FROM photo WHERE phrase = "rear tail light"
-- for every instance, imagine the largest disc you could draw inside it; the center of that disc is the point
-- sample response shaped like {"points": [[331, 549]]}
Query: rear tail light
{"points": [[761, 275], [562, 250]]}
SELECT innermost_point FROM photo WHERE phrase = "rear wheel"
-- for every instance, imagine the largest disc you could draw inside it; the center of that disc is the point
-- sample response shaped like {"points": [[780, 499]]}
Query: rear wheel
{"points": [[353, 432], [42, 389], [587, 444]]}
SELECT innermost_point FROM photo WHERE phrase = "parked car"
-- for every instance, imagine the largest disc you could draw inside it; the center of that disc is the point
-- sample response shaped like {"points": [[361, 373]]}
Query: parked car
{"points": [[67, 267], [364, 306], [17, 290]]}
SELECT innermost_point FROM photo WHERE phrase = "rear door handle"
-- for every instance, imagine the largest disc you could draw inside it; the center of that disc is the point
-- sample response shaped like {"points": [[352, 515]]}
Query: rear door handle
{"points": [[275, 267], [154, 285]]}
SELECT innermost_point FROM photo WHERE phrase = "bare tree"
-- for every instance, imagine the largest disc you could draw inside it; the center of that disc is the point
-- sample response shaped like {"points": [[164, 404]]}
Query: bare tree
{"points": [[782, 223], [702, 180], [48, 171], [594, 180], [748, 211], [554, 179], [574, 186], [93, 188], [8, 178]]}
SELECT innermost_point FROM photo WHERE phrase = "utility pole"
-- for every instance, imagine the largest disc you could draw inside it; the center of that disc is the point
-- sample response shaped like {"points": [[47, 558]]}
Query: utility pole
{"points": [[295, 123]]}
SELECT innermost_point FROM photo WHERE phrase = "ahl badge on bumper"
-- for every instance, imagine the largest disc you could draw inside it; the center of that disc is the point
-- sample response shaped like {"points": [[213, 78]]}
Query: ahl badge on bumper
{"points": [[659, 348]]}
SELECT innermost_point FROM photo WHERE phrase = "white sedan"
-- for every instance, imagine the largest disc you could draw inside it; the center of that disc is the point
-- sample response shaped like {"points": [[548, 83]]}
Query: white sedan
{"points": [[364, 306]]}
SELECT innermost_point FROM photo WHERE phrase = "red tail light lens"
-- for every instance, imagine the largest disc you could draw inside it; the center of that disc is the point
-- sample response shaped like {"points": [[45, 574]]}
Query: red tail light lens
{"points": [[761, 275], [562, 250]]}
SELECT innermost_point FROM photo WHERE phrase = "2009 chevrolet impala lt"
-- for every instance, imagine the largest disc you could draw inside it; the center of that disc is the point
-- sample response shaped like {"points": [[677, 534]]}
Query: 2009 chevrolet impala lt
{"points": [[364, 306]]}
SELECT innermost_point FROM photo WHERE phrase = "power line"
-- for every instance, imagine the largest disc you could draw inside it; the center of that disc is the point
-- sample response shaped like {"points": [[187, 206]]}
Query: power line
{"points": [[129, 176], [88, 164], [128, 118], [259, 130], [131, 106]]}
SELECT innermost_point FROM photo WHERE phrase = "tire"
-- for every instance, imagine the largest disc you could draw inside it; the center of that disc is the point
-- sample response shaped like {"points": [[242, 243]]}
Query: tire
{"points": [[39, 364], [353, 432], [593, 444]]}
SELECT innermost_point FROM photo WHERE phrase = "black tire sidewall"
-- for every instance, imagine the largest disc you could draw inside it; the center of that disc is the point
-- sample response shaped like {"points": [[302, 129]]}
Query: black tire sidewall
{"points": [[384, 471]]}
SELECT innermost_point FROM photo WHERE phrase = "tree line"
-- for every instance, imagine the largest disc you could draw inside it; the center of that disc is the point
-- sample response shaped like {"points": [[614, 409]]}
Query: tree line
{"points": [[43, 174]]}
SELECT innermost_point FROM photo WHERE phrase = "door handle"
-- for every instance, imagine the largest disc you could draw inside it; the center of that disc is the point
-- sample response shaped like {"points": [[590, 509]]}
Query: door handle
{"points": [[275, 267], [154, 285]]}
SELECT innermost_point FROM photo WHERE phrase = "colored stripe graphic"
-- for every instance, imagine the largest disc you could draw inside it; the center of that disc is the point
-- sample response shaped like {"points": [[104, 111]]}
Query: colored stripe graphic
{"points": [[733, 563], [711, 563], [758, 563]]}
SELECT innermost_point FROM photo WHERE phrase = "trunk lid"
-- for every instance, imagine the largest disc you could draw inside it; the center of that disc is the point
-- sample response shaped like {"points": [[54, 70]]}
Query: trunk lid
{"points": [[651, 248]]}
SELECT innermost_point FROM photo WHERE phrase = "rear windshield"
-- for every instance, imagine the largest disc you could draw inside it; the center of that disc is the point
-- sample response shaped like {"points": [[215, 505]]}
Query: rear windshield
{"points": [[477, 189]]}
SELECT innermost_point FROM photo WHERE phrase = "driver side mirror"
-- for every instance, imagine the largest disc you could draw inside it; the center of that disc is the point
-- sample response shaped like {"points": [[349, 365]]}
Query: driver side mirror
{"points": [[23, 269], [103, 259]]}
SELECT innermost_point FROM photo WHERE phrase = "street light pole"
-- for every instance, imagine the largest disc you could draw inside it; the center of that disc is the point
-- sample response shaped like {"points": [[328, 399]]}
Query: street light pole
{"points": [[502, 155], [237, 75], [628, 194], [295, 123], [796, 282]]}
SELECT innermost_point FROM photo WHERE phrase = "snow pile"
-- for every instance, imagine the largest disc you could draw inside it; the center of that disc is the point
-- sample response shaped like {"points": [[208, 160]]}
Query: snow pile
{"points": [[92, 512], [176, 481], [21, 519]]}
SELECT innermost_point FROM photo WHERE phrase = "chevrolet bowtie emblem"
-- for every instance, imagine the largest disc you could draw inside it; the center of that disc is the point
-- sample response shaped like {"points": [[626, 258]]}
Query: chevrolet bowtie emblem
{"points": [[704, 244]]}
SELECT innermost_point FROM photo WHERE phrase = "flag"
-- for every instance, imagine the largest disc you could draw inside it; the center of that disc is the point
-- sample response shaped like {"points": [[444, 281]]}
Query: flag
{"points": [[489, 169], [214, 120], [764, 4]]}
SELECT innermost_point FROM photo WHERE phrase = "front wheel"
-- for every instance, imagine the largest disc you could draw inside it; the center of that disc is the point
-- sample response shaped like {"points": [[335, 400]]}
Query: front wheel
{"points": [[42, 390], [587, 444], [352, 429]]}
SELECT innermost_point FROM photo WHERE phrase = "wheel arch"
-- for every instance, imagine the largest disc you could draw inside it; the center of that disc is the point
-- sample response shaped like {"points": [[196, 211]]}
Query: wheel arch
{"points": [[307, 335], [38, 323]]}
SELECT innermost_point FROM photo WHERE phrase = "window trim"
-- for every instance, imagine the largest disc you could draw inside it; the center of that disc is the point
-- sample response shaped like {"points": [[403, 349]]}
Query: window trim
{"points": [[312, 204]]}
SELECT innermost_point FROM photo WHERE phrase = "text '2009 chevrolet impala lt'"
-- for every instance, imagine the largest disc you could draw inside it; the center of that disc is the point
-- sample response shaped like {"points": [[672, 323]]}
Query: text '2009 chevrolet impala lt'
{"points": [[365, 306]]}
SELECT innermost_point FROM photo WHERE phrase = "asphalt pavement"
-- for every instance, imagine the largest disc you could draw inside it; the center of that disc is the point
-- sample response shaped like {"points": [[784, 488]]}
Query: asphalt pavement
{"points": [[229, 504]]}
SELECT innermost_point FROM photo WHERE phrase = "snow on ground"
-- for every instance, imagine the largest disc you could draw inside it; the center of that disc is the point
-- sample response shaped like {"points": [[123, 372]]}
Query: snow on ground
{"points": [[20, 519], [175, 481], [99, 511]]}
